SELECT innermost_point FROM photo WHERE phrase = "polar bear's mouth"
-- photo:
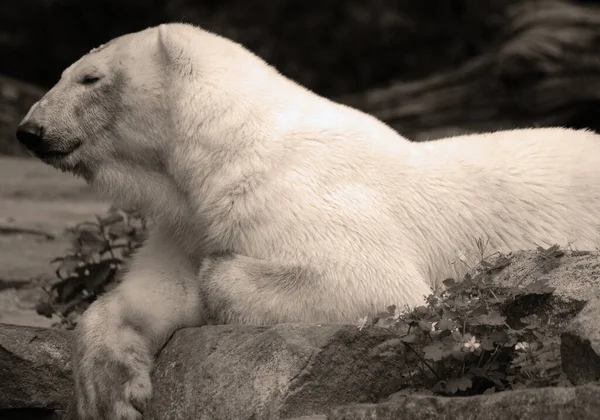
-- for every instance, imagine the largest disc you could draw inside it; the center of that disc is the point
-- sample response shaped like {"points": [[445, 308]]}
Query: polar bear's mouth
{"points": [[52, 156]]}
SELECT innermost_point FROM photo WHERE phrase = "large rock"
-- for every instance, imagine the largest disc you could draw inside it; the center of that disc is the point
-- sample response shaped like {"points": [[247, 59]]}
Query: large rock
{"points": [[575, 275], [292, 370], [581, 403], [243, 372], [35, 372], [573, 309], [220, 372], [580, 345]]}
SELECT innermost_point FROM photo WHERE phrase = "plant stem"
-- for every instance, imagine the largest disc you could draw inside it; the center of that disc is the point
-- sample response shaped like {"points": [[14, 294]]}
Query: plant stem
{"points": [[423, 361]]}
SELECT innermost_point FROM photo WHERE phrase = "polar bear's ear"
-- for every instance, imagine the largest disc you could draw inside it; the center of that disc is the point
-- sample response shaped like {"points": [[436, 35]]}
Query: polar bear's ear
{"points": [[172, 44], [166, 43]]}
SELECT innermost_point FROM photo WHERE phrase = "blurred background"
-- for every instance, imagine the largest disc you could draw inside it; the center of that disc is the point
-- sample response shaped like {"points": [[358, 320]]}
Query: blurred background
{"points": [[429, 68], [503, 63]]}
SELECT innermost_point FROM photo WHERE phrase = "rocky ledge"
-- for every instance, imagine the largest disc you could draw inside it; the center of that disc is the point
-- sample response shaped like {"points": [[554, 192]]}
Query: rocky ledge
{"points": [[319, 371]]}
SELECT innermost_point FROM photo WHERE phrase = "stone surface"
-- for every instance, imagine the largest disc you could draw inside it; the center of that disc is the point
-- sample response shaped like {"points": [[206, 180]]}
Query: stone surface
{"points": [[218, 372], [244, 372], [575, 275], [291, 370], [581, 403], [35, 372], [580, 345]]}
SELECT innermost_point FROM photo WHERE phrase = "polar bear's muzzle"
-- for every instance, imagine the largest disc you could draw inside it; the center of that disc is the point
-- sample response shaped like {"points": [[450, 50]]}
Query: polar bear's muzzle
{"points": [[31, 135]]}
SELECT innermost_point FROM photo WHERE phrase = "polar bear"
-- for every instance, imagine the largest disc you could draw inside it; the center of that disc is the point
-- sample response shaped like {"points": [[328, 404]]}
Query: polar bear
{"points": [[272, 204]]}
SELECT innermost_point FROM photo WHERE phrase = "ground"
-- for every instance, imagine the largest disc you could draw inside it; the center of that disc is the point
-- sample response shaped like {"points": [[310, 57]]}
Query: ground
{"points": [[37, 202]]}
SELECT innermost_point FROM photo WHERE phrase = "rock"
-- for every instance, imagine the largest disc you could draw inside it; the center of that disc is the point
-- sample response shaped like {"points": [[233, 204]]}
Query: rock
{"points": [[221, 372], [291, 370], [580, 345], [245, 372], [581, 403], [35, 372], [574, 275], [573, 309]]}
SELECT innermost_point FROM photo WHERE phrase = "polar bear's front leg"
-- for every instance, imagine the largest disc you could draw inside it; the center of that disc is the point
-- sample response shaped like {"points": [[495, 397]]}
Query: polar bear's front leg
{"points": [[245, 290], [119, 334]]}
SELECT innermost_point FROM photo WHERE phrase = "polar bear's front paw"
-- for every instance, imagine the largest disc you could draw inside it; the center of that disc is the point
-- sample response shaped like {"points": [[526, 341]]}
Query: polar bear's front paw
{"points": [[111, 382]]}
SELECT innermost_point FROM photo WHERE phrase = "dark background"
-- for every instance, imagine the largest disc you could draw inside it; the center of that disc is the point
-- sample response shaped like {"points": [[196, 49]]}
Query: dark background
{"points": [[534, 74], [332, 46]]}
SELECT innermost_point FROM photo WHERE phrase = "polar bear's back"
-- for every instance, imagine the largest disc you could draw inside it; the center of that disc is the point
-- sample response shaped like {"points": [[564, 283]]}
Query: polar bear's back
{"points": [[519, 188], [419, 208]]}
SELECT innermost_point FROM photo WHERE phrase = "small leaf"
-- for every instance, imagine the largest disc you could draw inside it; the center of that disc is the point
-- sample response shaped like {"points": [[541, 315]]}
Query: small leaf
{"points": [[531, 321], [425, 326], [98, 274], [500, 263], [68, 288], [44, 308], [496, 381], [446, 325], [492, 318], [455, 384], [421, 310], [449, 314], [118, 231], [449, 282], [487, 343], [458, 354], [435, 351], [409, 338], [539, 287], [114, 217], [68, 265], [90, 241]]}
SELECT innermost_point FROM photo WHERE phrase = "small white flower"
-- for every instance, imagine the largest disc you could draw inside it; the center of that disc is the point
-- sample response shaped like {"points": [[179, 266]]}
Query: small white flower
{"points": [[522, 346], [471, 344], [362, 322], [86, 272]]}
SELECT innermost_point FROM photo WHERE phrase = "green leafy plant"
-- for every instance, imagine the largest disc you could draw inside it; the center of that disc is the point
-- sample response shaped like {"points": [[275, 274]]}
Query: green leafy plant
{"points": [[462, 343], [92, 265]]}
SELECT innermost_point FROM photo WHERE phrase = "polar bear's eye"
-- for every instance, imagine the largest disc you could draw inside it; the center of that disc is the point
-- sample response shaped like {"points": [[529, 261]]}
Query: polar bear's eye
{"points": [[89, 79]]}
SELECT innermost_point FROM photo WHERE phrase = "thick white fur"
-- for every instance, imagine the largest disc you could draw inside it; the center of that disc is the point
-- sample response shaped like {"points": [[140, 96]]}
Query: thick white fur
{"points": [[326, 214]]}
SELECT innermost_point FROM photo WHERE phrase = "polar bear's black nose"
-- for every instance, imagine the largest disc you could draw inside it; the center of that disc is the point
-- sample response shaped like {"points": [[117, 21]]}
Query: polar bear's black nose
{"points": [[30, 135]]}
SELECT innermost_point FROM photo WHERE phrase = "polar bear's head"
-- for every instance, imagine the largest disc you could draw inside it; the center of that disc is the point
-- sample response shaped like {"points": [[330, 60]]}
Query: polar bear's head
{"points": [[127, 106]]}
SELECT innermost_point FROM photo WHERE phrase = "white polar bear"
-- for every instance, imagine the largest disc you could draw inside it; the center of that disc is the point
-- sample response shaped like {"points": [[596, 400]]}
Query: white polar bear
{"points": [[272, 204]]}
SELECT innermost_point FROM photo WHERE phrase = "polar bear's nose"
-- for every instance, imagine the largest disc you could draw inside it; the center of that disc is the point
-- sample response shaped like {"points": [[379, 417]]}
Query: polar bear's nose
{"points": [[30, 134]]}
